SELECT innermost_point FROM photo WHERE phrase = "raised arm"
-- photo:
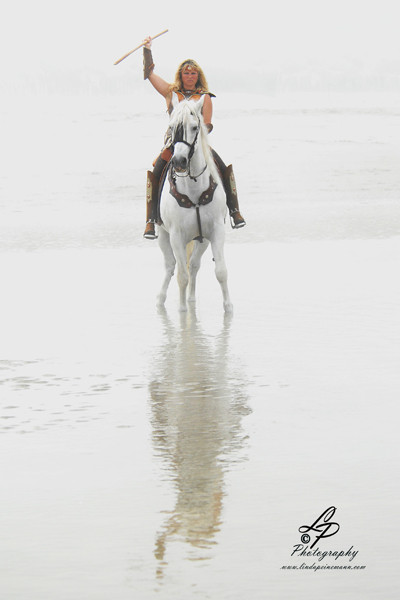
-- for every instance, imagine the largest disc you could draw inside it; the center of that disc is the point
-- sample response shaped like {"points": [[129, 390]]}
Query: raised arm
{"points": [[156, 81]]}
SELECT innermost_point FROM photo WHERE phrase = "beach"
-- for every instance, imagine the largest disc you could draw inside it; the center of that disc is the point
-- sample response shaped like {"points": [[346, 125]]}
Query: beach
{"points": [[148, 453]]}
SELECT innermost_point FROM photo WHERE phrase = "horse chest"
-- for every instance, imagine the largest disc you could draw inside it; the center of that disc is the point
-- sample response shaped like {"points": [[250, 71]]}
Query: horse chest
{"points": [[190, 198]]}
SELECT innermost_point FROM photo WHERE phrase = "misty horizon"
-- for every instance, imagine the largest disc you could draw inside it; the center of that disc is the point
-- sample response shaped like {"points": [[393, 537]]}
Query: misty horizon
{"points": [[311, 75]]}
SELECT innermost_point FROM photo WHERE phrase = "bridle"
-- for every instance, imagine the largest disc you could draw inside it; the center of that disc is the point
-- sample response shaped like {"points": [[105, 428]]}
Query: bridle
{"points": [[179, 138]]}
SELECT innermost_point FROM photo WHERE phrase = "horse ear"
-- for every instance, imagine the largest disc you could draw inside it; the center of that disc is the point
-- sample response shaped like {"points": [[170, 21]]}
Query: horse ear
{"points": [[174, 100]]}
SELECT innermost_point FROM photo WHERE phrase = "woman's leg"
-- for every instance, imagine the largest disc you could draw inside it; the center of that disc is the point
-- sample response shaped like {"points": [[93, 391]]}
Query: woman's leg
{"points": [[232, 201], [152, 187]]}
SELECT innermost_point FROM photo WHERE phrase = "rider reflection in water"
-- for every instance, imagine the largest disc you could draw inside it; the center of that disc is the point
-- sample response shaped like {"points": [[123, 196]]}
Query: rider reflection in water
{"points": [[190, 84]]}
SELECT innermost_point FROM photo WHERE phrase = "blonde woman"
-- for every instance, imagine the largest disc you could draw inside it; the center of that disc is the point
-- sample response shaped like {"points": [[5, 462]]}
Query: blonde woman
{"points": [[190, 84]]}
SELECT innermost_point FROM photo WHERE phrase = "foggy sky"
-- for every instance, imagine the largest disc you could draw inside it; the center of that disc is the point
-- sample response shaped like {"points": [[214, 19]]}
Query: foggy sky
{"points": [[260, 40]]}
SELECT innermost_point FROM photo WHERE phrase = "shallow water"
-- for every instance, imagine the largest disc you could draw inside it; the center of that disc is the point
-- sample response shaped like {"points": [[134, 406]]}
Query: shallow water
{"points": [[154, 454]]}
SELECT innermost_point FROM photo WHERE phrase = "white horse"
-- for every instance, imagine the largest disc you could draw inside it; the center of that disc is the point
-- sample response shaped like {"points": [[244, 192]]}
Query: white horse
{"points": [[192, 205]]}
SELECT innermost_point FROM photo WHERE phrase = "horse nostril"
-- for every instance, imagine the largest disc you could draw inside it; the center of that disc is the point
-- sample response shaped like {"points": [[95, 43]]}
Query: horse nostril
{"points": [[180, 162]]}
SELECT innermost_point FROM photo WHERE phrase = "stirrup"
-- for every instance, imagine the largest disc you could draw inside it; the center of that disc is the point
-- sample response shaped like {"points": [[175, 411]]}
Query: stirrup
{"points": [[237, 220], [149, 232]]}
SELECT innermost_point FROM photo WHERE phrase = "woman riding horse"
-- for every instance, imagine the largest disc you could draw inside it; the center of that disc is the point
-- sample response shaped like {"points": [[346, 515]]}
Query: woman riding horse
{"points": [[190, 84]]}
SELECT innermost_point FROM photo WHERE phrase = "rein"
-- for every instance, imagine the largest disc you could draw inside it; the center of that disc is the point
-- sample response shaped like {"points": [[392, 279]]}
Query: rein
{"points": [[188, 174]]}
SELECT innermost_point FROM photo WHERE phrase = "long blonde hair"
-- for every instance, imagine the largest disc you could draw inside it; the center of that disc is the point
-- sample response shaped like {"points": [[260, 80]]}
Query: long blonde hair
{"points": [[201, 85]]}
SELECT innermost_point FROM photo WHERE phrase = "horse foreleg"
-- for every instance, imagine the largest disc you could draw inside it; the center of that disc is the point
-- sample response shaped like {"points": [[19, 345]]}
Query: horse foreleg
{"points": [[169, 263], [221, 273], [179, 250], [194, 266]]}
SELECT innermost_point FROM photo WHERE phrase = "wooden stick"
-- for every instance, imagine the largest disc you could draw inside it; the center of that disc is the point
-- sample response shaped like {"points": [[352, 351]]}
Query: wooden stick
{"points": [[137, 47]]}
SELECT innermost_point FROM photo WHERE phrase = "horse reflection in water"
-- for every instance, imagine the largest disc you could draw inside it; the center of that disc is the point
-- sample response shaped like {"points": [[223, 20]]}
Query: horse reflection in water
{"points": [[198, 400]]}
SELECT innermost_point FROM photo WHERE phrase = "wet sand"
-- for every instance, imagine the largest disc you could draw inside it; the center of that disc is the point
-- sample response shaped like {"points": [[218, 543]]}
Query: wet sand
{"points": [[152, 454]]}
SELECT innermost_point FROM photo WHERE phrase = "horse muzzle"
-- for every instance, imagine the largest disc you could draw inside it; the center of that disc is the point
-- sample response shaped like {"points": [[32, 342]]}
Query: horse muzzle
{"points": [[180, 163]]}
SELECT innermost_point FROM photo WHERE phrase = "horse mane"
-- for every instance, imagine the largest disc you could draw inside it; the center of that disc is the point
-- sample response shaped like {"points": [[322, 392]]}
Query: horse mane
{"points": [[183, 110]]}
